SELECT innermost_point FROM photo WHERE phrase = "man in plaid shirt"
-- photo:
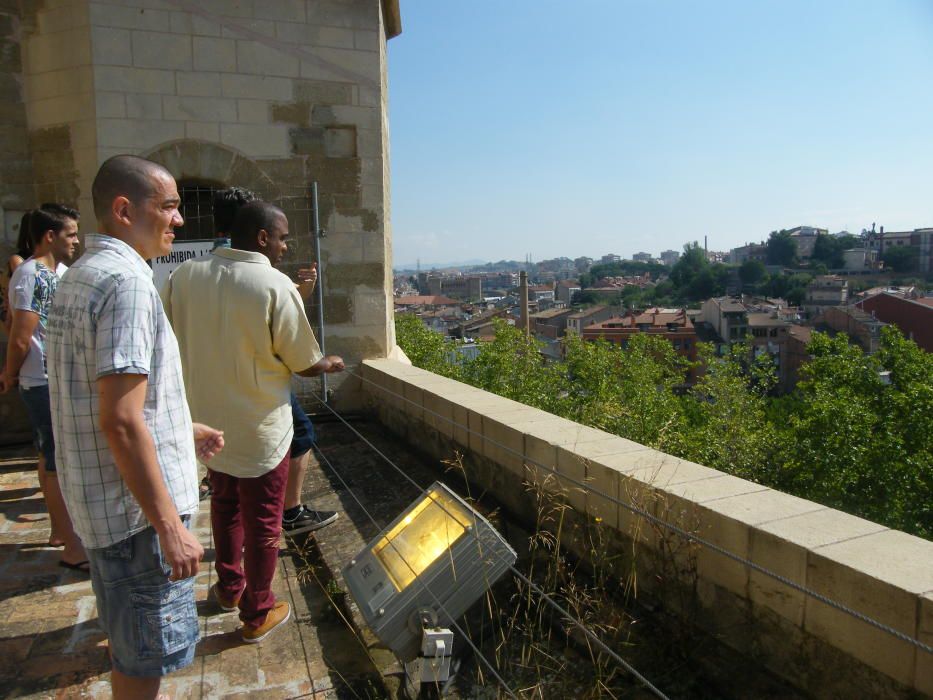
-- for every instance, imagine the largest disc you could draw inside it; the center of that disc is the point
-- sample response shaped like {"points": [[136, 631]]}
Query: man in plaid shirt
{"points": [[126, 443]]}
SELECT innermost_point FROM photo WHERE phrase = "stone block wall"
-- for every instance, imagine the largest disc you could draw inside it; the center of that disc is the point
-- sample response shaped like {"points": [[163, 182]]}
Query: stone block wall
{"points": [[881, 573], [17, 191], [58, 96], [269, 95]]}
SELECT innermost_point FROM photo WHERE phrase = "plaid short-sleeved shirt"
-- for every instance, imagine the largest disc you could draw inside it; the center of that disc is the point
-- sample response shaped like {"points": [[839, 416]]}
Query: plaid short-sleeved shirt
{"points": [[107, 319]]}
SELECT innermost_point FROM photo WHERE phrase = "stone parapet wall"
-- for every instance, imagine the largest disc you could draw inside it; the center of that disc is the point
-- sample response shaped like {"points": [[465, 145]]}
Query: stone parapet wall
{"points": [[881, 573]]}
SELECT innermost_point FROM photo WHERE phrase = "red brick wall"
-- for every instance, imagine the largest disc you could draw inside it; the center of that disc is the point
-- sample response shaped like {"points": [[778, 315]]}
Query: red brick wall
{"points": [[914, 319]]}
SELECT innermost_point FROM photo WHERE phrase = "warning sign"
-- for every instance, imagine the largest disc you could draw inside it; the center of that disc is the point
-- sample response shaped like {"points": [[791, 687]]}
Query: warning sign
{"points": [[181, 251]]}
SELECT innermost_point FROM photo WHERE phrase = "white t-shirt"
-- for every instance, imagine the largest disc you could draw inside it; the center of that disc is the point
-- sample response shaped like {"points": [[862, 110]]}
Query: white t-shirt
{"points": [[32, 288]]}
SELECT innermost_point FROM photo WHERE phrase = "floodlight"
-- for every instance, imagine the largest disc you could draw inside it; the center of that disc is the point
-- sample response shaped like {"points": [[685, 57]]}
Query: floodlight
{"points": [[424, 570]]}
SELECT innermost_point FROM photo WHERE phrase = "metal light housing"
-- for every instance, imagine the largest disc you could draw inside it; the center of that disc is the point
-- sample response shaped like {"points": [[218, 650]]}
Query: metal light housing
{"points": [[425, 569]]}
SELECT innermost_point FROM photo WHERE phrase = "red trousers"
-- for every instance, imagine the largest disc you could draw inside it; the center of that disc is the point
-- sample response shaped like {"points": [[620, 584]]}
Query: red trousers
{"points": [[246, 515]]}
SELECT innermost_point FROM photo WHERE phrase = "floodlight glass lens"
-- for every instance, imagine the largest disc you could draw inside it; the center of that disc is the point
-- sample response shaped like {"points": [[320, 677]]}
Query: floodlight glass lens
{"points": [[421, 537]]}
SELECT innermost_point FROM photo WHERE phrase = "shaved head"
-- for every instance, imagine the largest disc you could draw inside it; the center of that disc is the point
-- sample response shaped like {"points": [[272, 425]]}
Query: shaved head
{"points": [[124, 176], [136, 201]]}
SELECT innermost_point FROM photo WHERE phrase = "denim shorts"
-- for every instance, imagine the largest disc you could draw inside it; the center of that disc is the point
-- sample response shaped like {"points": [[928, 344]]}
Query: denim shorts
{"points": [[152, 623], [39, 410], [304, 431]]}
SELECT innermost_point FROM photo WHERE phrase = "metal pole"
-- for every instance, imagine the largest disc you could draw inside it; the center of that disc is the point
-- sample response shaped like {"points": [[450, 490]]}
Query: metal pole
{"points": [[523, 285], [317, 233]]}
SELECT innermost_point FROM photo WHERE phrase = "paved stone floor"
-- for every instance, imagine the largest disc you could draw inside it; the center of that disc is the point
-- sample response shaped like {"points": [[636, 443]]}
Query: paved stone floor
{"points": [[50, 646]]}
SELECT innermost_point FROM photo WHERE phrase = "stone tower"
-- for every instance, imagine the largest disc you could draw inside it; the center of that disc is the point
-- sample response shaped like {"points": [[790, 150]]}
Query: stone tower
{"points": [[267, 94]]}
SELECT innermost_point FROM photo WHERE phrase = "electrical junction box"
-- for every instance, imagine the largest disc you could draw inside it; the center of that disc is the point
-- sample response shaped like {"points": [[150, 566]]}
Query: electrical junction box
{"points": [[433, 664]]}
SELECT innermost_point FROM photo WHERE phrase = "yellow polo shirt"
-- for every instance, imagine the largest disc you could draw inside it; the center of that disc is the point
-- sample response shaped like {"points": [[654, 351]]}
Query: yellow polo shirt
{"points": [[242, 332]]}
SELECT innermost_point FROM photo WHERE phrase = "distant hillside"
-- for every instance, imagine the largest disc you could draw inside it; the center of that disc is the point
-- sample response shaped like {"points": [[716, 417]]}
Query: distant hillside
{"points": [[411, 267]]}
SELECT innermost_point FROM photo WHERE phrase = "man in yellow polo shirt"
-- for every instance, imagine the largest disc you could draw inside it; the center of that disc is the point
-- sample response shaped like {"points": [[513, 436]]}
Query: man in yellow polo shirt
{"points": [[242, 332]]}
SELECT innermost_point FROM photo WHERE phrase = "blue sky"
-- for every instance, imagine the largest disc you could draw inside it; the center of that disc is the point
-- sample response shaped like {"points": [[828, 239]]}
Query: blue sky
{"points": [[556, 128]]}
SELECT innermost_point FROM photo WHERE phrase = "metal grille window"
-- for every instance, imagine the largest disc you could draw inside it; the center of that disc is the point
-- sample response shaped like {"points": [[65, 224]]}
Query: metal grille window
{"points": [[298, 203], [197, 209]]}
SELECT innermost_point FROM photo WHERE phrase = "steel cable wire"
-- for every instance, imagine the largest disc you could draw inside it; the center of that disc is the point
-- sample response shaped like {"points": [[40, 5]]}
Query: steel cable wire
{"points": [[670, 526], [591, 635]]}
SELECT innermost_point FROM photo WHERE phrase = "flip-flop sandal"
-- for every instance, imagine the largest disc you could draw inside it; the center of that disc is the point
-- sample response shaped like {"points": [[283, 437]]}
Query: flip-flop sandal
{"points": [[82, 566]]}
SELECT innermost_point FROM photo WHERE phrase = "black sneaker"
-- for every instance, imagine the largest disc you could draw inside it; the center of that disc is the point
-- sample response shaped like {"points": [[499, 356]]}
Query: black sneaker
{"points": [[308, 520], [204, 488]]}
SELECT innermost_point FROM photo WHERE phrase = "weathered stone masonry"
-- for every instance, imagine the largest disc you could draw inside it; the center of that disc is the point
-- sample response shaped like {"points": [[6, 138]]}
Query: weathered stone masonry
{"points": [[270, 95]]}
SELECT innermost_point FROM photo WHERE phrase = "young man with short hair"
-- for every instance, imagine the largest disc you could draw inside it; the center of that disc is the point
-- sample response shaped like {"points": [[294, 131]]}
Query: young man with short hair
{"points": [[297, 518], [243, 332], [54, 237], [126, 444]]}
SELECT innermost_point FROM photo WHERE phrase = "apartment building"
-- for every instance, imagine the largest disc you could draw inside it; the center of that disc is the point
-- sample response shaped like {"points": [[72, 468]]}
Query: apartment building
{"points": [[727, 317], [579, 320], [670, 257], [404, 303], [913, 316], [541, 292], [673, 324], [469, 288], [919, 239], [749, 251], [825, 291], [860, 326], [805, 238], [566, 289], [765, 325], [550, 324]]}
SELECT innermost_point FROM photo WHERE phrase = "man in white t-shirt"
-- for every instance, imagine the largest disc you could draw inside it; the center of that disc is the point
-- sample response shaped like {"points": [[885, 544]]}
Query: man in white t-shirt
{"points": [[54, 230]]}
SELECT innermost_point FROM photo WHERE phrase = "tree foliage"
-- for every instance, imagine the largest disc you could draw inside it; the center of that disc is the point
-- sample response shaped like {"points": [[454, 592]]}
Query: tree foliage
{"points": [[752, 272], [901, 258], [695, 278], [792, 287], [628, 393], [781, 249], [863, 427], [512, 366], [856, 435], [829, 250], [689, 265], [425, 348], [729, 427]]}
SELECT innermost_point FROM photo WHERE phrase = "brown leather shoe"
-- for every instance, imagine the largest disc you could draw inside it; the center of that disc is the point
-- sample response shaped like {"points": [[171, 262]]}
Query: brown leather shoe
{"points": [[276, 617], [225, 604]]}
